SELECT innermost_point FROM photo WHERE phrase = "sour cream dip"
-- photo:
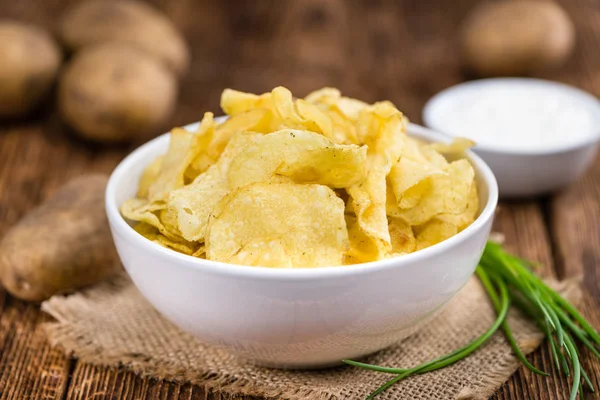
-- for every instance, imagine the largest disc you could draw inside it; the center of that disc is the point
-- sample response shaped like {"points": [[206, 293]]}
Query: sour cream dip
{"points": [[516, 114]]}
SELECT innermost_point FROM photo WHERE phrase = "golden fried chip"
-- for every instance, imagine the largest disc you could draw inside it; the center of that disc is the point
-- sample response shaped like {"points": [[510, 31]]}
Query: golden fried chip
{"points": [[270, 253], [409, 182], [351, 108], [254, 120], [433, 232], [458, 146], [381, 127], [447, 194], [191, 205], [361, 248], [183, 149], [298, 115], [304, 156], [402, 236], [140, 210], [234, 102], [464, 219], [308, 221], [151, 233], [180, 246], [149, 176]]}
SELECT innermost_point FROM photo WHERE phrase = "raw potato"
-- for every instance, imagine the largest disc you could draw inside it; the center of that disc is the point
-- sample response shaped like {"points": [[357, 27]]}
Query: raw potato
{"points": [[29, 61], [132, 22], [516, 38], [62, 245], [116, 93]]}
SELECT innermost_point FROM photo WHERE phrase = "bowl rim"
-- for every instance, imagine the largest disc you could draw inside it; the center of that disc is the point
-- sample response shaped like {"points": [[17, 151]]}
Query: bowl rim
{"points": [[430, 121], [121, 227]]}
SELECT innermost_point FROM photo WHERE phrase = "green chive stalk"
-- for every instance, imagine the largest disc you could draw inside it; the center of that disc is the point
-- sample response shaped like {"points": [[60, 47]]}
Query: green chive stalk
{"points": [[509, 280]]}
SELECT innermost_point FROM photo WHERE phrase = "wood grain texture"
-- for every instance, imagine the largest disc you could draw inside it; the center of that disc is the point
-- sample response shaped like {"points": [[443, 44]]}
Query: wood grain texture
{"points": [[384, 49]]}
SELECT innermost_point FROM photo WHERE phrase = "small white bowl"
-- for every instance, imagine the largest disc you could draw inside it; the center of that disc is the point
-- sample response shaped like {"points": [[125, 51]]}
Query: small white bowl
{"points": [[525, 172], [301, 318]]}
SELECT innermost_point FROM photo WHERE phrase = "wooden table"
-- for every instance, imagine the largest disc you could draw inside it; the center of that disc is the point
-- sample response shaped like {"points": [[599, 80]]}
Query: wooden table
{"points": [[404, 52]]}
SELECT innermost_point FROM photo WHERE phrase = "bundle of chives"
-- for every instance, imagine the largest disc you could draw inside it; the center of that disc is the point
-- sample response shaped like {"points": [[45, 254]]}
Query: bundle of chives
{"points": [[508, 279]]}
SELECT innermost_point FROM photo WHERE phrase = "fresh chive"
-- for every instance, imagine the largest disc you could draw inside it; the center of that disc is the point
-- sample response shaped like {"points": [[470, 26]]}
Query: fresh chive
{"points": [[508, 279], [485, 280]]}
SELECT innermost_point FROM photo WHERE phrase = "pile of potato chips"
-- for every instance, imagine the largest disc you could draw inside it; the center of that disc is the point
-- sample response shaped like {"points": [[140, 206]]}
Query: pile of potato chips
{"points": [[292, 183]]}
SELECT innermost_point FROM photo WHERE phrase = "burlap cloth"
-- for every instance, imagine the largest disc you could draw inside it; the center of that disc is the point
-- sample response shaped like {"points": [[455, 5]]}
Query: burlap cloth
{"points": [[111, 324]]}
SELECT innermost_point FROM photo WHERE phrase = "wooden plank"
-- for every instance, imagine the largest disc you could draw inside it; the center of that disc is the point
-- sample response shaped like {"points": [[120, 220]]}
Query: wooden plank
{"points": [[94, 382], [29, 368]]}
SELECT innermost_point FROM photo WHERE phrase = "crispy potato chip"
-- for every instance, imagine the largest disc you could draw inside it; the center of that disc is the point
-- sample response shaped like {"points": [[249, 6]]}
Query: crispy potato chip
{"points": [[180, 246], [191, 205], [458, 146], [402, 236], [201, 252], [151, 233], [351, 108], [298, 115], [234, 102], [380, 127], [304, 156], [149, 176], [255, 120], [447, 194], [183, 149], [140, 210], [464, 219], [362, 249], [433, 232], [310, 112], [269, 253], [146, 230], [308, 221], [409, 182]]}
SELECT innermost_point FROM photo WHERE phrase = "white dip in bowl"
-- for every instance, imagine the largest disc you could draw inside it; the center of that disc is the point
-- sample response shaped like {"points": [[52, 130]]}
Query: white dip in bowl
{"points": [[536, 135]]}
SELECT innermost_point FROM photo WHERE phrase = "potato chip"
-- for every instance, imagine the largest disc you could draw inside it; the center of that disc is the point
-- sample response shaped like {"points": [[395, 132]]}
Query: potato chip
{"points": [[180, 246], [141, 210], [191, 205], [351, 108], [151, 233], [433, 232], [464, 219], [234, 102], [458, 146], [361, 248], [149, 176], [298, 115], [409, 182], [271, 253], [183, 148], [304, 156], [200, 252], [402, 236], [255, 120], [308, 221], [380, 127], [447, 194]]}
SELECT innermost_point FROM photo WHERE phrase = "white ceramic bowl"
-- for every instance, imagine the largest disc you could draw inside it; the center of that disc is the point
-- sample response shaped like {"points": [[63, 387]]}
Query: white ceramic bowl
{"points": [[299, 318], [526, 172]]}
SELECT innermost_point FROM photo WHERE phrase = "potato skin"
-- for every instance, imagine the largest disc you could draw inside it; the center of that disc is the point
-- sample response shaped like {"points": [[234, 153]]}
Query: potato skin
{"points": [[516, 38], [132, 22], [62, 245], [116, 93], [29, 62]]}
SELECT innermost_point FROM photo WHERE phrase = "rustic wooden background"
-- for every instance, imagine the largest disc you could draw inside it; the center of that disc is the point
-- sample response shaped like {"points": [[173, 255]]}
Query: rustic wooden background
{"points": [[402, 51]]}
